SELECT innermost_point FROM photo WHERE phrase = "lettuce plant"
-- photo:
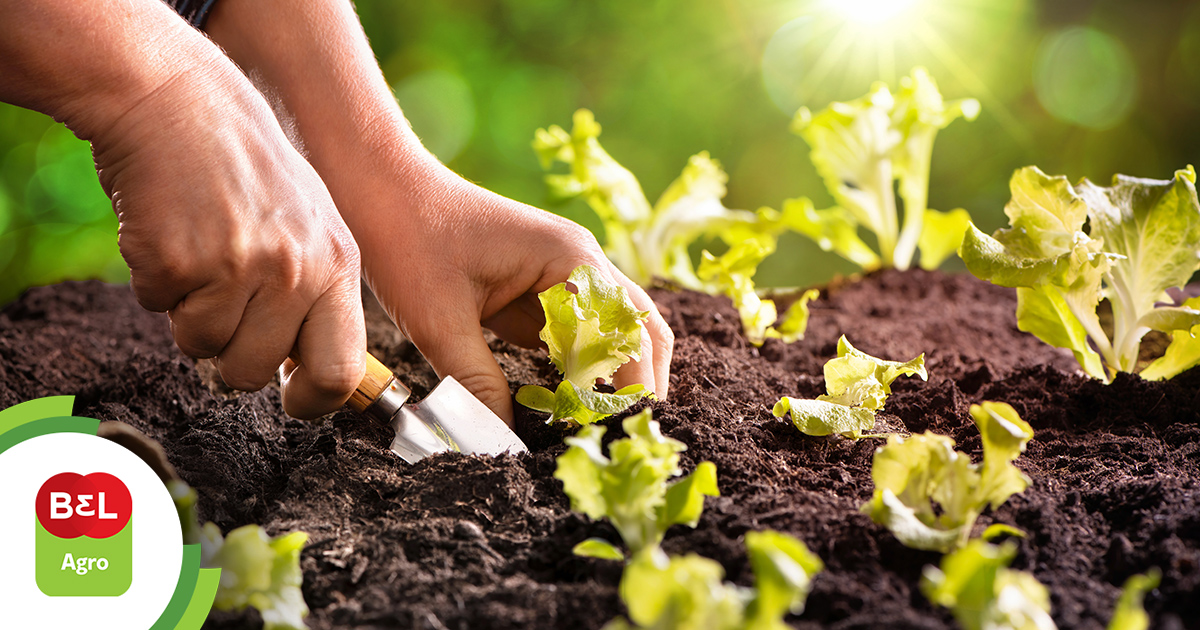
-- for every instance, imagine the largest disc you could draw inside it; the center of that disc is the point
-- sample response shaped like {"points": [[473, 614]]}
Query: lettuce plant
{"points": [[643, 241], [732, 273], [861, 149], [590, 332], [976, 584], [929, 494], [256, 569], [1142, 240], [857, 385], [688, 592], [1130, 613], [632, 486]]}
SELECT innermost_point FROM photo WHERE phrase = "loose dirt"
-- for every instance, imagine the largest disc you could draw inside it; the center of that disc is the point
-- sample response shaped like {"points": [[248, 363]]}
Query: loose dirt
{"points": [[457, 542]]}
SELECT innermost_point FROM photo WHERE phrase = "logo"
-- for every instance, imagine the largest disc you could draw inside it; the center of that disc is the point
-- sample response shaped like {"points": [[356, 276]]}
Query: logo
{"points": [[84, 536]]}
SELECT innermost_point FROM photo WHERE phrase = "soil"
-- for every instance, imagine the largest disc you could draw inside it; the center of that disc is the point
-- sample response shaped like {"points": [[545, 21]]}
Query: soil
{"points": [[460, 542]]}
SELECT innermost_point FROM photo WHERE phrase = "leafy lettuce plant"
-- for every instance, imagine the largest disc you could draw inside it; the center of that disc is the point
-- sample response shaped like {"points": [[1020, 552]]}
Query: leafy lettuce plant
{"points": [[857, 385], [929, 494], [1130, 613], [256, 569], [688, 592], [632, 486], [861, 149], [643, 241], [732, 274], [976, 584], [1141, 241], [590, 332]]}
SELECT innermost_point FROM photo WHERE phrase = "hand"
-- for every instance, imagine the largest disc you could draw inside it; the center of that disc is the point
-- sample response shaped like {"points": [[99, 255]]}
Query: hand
{"points": [[455, 258], [232, 233]]}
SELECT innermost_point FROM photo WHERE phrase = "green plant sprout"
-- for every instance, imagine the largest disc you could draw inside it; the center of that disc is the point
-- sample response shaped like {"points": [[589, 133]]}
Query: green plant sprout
{"points": [[929, 495], [857, 385], [861, 149], [632, 486], [976, 584], [688, 592], [590, 332], [1141, 241]]}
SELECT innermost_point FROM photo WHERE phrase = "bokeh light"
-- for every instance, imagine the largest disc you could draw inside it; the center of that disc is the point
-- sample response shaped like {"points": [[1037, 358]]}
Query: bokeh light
{"points": [[441, 109], [870, 11], [1085, 76]]}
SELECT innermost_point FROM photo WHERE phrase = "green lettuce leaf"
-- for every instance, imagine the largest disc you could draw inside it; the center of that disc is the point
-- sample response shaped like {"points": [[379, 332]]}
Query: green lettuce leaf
{"points": [[1130, 614], [783, 572], [259, 571], [929, 495], [976, 584], [684, 593], [862, 147], [833, 230], [567, 404], [630, 487], [732, 274], [818, 417], [597, 548], [941, 236], [1182, 354]]}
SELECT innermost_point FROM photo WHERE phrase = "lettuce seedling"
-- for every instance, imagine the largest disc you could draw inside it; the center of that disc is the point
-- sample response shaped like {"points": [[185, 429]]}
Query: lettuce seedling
{"points": [[590, 332], [1141, 241], [976, 584], [732, 273], [861, 149], [857, 385], [643, 241], [688, 592], [631, 486], [929, 494]]}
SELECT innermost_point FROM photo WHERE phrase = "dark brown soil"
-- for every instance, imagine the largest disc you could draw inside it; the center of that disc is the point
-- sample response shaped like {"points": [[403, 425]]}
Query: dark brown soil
{"points": [[457, 542]]}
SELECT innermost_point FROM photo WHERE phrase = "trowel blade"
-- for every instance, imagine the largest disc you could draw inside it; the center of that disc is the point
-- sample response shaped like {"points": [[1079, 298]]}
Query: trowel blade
{"points": [[450, 418]]}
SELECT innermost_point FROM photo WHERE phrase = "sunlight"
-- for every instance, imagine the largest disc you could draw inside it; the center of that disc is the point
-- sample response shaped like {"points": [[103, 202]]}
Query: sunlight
{"points": [[870, 12]]}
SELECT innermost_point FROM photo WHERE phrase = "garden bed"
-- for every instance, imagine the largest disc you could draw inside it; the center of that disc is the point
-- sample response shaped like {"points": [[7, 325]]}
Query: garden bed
{"points": [[457, 542]]}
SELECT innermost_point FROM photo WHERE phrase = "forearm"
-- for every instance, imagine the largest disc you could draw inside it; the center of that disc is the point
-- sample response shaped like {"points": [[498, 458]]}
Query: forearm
{"points": [[314, 54], [86, 63]]}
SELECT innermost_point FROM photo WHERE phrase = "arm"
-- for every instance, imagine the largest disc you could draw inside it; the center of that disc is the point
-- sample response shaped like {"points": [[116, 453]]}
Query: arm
{"points": [[443, 255], [223, 224]]}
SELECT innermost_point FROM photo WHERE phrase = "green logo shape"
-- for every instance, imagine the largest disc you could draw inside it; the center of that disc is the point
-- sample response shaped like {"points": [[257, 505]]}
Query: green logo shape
{"points": [[84, 567]]}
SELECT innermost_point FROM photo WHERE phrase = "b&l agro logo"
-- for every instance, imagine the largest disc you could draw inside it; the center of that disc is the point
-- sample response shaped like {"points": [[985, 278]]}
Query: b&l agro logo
{"points": [[84, 538]]}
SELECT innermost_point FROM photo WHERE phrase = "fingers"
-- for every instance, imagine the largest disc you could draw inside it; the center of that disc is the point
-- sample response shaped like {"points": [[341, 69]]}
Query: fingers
{"points": [[204, 321], [654, 367], [331, 348], [451, 339]]}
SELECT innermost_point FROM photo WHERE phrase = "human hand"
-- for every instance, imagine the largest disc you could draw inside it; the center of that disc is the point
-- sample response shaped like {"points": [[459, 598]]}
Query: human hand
{"points": [[228, 229], [456, 258]]}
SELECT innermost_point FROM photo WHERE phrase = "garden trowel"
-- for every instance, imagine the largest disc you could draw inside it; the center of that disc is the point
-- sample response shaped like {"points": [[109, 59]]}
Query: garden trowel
{"points": [[450, 418]]}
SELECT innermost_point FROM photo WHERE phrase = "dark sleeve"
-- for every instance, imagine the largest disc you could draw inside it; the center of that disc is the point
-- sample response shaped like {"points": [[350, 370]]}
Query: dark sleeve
{"points": [[194, 11]]}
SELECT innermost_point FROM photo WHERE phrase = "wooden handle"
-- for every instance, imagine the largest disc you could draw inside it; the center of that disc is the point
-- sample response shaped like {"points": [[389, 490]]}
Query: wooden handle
{"points": [[374, 383]]}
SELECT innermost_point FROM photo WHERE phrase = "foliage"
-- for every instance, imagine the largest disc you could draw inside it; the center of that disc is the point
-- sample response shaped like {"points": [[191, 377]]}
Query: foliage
{"points": [[1130, 614], [913, 474], [861, 149], [631, 486], [732, 274], [857, 385], [590, 332], [1141, 242], [256, 569], [976, 584], [688, 592]]}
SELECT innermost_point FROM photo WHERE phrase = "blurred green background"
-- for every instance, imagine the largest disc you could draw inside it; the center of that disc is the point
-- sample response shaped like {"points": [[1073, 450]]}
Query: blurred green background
{"points": [[1079, 87]]}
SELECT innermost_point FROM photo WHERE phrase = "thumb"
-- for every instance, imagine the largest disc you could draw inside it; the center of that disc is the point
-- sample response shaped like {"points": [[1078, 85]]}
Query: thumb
{"points": [[456, 347]]}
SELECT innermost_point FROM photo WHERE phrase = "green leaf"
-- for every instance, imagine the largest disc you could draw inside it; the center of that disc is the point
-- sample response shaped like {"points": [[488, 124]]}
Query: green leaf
{"points": [[818, 417], [1182, 354], [732, 273], [1004, 435], [593, 331], [783, 571], [1130, 614], [999, 530], [795, 320], [857, 379], [597, 548], [684, 593], [833, 230], [942, 235], [909, 528], [685, 498], [1154, 227], [629, 487], [976, 585], [263, 572], [1045, 313]]}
